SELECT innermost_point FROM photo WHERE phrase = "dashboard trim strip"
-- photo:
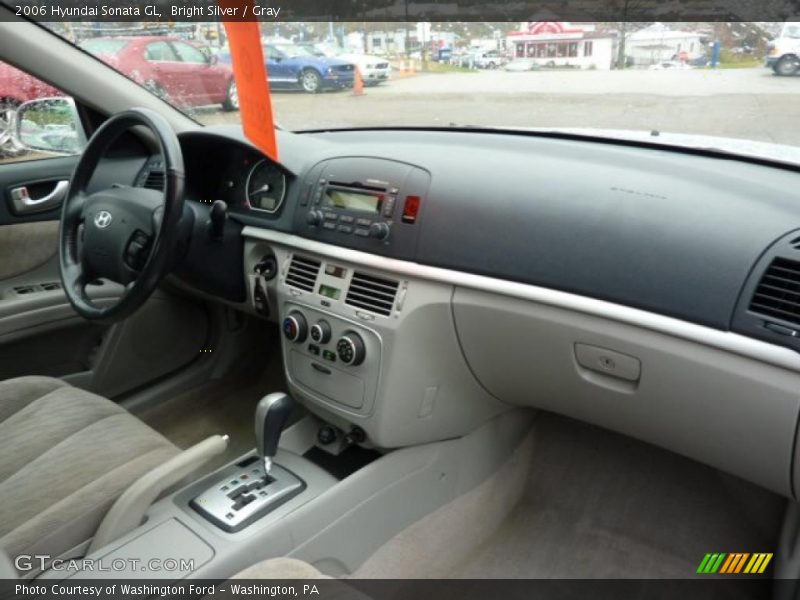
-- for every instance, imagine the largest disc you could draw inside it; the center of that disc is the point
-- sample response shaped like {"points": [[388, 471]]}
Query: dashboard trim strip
{"points": [[723, 340]]}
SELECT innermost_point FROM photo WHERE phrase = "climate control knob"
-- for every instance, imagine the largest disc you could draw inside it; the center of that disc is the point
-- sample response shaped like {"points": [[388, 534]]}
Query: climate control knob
{"points": [[321, 332], [295, 327], [351, 349], [379, 231]]}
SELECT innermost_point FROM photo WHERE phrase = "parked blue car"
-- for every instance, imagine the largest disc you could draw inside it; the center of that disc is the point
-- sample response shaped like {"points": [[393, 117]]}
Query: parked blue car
{"points": [[294, 67]]}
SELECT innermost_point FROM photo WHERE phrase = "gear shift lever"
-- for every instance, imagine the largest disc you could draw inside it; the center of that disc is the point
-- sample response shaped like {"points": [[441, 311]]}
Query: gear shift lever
{"points": [[238, 497], [271, 414]]}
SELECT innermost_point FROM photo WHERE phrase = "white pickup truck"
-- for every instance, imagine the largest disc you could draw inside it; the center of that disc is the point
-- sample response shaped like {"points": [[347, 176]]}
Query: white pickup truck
{"points": [[783, 53]]}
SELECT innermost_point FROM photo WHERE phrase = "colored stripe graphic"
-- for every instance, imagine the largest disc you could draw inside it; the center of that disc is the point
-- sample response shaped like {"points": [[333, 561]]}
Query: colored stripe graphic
{"points": [[727, 564], [730, 564], [711, 563], [718, 563], [704, 563], [740, 564], [758, 563], [734, 563]]}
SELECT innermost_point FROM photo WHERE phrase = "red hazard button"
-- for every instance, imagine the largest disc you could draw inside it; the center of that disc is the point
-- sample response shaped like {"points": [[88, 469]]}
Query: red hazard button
{"points": [[411, 209]]}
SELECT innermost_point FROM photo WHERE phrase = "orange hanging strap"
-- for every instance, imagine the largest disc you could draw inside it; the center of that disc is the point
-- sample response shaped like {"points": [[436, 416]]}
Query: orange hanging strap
{"points": [[250, 72]]}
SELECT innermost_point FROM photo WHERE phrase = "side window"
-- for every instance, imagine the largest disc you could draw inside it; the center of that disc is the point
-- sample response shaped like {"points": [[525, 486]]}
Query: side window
{"points": [[273, 53], [36, 120], [189, 54], [161, 52]]}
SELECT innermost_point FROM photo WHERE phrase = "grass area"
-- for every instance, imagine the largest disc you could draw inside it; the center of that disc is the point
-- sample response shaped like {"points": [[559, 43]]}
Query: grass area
{"points": [[729, 60], [742, 64]]}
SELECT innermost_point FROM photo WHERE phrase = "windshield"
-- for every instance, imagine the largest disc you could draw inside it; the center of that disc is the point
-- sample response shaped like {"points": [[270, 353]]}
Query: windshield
{"points": [[294, 51], [653, 79], [792, 31]]}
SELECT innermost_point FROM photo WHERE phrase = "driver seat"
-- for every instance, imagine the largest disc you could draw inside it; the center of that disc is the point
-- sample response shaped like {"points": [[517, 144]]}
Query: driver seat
{"points": [[65, 457]]}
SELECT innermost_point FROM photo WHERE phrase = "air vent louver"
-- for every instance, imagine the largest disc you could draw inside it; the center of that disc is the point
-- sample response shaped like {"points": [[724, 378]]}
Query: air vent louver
{"points": [[154, 180], [303, 273], [778, 292], [372, 293]]}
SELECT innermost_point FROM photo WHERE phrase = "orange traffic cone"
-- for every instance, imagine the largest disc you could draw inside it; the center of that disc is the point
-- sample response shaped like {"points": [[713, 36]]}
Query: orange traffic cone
{"points": [[358, 83]]}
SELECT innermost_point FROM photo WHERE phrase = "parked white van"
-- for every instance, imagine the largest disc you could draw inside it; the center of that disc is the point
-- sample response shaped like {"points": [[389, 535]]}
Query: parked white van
{"points": [[783, 54]]}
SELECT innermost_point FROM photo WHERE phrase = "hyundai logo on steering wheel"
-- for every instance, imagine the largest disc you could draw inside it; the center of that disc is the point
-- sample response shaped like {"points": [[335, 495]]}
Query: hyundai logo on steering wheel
{"points": [[103, 219]]}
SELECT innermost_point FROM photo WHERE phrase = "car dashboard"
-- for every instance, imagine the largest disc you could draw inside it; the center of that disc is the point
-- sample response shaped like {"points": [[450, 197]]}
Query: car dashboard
{"points": [[426, 280]]}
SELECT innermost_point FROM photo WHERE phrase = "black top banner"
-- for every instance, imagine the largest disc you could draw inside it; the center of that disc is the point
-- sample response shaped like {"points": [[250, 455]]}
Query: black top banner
{"points": [[175, 11]]}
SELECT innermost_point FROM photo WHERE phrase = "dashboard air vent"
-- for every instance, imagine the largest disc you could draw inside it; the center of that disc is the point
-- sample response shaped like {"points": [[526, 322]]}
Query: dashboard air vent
{"points": [[303, 273], [154, 180], [778, 292], [372, 293]]}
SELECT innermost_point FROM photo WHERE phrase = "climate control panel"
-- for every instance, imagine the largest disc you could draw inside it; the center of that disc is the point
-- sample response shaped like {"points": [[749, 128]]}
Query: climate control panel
{"points": [[330, 359], [350, 347]]}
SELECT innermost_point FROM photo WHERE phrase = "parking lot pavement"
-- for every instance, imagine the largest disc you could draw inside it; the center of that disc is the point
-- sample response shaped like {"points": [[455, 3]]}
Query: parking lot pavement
{"points": [[742, 103]]}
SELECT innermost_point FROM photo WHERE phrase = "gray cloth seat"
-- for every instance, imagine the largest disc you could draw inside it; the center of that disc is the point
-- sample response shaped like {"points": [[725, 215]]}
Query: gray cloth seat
{"points": [[284, 568], [65, 456], [281, 568]]}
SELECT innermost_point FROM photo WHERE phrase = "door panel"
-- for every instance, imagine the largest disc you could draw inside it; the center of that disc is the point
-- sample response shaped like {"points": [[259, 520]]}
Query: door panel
{"points": [[69, 350], [25, 246], [40, 177]]}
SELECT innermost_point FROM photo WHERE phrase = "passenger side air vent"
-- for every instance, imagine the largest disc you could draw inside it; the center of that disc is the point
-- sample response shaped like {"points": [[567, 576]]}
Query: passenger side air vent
{"points": [[795, 243], [154, 180], [372, 293], [778, 292], [303, 273]]}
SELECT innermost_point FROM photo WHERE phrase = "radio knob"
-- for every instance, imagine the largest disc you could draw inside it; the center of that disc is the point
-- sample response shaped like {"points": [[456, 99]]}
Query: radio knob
{"points": [[379, 231], [321, 332], [295, 327], [351, 349], [314, 217]]}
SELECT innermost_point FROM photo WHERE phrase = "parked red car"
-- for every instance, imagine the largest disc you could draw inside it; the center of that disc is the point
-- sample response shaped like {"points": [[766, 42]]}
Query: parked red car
{"points": [[17, 87], [181, 72]]}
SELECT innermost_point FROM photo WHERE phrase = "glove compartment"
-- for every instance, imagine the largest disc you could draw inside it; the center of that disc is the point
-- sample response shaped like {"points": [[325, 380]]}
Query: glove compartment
{"points": [[723, 409]]}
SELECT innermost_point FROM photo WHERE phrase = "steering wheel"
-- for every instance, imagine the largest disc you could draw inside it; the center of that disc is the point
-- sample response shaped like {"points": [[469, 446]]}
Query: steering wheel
{"points": [[121, 233]]}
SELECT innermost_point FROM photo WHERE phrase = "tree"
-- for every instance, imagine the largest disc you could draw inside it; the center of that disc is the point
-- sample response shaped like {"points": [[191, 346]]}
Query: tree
{"points": [[625, 13]]}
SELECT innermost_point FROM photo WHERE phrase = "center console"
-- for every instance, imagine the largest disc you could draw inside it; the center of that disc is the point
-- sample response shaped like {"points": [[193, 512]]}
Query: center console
{"points": [[368, 346]]}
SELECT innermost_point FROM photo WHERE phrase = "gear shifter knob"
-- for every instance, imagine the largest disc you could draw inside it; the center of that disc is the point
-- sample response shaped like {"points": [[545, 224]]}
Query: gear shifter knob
{"points": [[271, 414]]}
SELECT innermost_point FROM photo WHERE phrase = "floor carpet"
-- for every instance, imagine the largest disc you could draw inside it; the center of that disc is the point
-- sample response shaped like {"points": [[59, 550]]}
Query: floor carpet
{"points": [[602, 505]]}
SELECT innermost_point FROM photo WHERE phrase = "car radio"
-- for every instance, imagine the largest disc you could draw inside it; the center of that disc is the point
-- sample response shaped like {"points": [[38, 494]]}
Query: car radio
{"points": [[364, 203]]}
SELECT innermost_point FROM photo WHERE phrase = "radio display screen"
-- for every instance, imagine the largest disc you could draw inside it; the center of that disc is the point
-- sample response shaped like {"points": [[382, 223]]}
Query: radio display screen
{"points": [[360, 201]]}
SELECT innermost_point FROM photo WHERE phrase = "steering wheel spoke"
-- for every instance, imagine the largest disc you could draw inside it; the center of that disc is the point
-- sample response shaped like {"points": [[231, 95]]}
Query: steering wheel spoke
{"points": [[74, 211], [122, 240]]}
